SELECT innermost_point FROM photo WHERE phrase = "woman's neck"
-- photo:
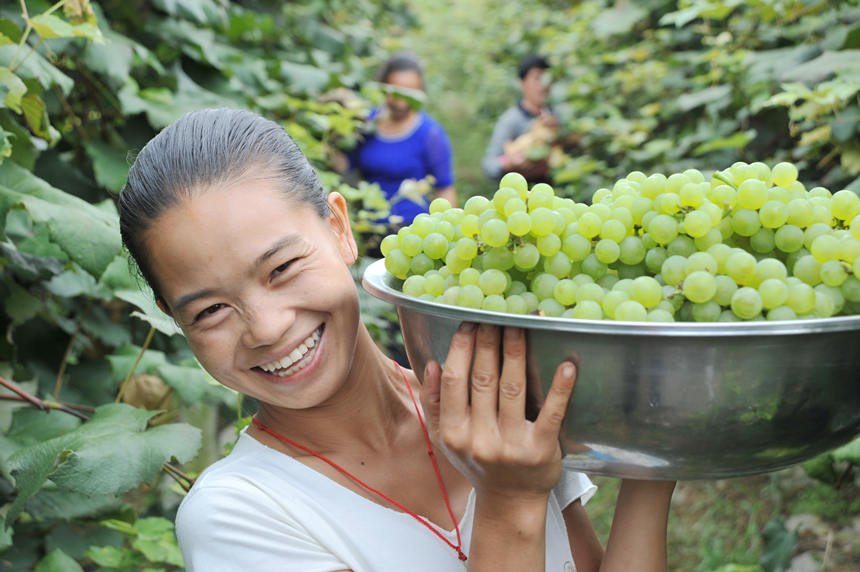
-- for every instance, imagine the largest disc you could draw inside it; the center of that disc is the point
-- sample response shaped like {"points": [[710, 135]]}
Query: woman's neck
{"points": [[392, 127], [368, 410]]}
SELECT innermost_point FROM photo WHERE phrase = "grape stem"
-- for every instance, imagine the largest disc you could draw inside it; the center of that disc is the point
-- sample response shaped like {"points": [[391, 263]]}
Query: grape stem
{"points": [[720, 177]]}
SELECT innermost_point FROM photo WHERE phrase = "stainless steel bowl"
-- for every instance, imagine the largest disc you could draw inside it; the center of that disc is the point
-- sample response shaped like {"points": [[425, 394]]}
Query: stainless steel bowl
{"points": [[674, 400]]}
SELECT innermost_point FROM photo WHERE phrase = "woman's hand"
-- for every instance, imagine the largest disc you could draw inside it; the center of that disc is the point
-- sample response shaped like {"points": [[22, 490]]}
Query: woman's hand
{"points": [[488, 438]]}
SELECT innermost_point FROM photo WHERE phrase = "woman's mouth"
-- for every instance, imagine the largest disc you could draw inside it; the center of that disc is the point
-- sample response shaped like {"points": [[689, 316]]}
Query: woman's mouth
{"points": [[298, 358]]}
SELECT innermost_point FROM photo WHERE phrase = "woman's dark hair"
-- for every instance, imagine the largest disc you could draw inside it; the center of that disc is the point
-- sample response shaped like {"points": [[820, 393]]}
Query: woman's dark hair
{"points": [[205, 149], [400, 61]]}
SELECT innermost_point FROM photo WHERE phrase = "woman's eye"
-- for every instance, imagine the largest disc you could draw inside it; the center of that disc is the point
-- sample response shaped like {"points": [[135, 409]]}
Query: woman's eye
{"points": [[208, 312], [281, 268]]}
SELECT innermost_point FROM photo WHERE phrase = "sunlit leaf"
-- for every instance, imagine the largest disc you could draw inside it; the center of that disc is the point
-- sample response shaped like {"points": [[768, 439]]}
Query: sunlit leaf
{"points": [[57, 561], [50, 26], [110, 164], [12, 89]]}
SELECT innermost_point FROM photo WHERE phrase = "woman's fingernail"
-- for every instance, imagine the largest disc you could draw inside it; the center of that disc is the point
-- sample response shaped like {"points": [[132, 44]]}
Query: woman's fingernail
{"points": [[467, 327], [567, 370]]}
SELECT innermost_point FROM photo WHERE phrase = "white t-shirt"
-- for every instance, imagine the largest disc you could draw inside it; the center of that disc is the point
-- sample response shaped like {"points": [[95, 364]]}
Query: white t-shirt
{"points": [[261, 510]]}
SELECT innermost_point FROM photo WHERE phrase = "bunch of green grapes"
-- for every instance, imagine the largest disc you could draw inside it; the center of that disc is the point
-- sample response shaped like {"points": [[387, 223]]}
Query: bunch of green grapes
{"points": [[751, 243]]}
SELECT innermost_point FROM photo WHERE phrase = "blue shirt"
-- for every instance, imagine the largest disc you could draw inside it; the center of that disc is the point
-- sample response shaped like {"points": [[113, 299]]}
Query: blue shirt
{"points": [[388, 161]]}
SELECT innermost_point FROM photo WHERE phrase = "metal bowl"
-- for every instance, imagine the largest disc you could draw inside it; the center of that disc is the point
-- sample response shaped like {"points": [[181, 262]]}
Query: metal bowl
{"points": [[674, 400]]}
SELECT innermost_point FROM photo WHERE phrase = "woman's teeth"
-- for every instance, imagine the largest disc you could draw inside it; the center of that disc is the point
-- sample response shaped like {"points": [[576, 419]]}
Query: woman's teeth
{"points": [[297, 359]]}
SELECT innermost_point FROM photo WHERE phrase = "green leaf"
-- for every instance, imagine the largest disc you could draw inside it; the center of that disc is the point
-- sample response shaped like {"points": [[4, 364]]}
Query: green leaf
{"points": [[189, 382], [851, 158], [110, 164], [113, 59], [736, 141], [822, 67], [50, 26], [20, 305], [156, 540], [302, 78], [845, 125], [110, 454], [708, 95], [12, 89], [118, 275], [36, 67], [37, 118], [163, 106], [124, 357], [10, 30], [778, 547], [75, 282], [149, 311], [57, 561], [849, 452], [114, 557], [66, 505], [821, 468], [619, 19], [31, 426], [23, 150]]}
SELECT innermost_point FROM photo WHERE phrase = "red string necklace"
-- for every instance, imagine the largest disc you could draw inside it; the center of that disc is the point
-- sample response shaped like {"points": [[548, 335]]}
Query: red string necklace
{"points": [[456, 547]]}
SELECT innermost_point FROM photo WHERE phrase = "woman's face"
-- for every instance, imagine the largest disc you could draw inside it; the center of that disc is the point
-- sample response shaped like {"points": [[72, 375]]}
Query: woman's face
{"points": [[535, 87], [399, 107], [260, 285]]}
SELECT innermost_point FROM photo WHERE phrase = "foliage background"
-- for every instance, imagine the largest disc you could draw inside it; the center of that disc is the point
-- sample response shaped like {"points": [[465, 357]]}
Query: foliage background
{"points": [[120, 416]]}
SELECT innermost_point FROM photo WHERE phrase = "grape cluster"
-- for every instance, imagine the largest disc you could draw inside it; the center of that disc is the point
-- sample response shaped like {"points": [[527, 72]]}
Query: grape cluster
{"points": [[751, 243]]}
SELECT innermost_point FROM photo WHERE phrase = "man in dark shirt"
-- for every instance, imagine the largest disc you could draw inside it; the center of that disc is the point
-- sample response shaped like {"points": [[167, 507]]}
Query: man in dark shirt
{"points": [[517, 120]]}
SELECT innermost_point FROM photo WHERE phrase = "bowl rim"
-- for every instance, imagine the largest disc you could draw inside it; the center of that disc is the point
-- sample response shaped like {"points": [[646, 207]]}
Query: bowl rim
{"points": [[377, 281]]}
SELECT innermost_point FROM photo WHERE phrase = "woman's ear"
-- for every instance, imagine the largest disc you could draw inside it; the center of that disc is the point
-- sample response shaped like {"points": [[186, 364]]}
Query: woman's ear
{"points": [[339, 221]]}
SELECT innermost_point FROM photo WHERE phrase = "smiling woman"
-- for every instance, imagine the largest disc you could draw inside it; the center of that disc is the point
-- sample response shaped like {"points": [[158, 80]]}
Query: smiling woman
{"points": [[230, 225]]}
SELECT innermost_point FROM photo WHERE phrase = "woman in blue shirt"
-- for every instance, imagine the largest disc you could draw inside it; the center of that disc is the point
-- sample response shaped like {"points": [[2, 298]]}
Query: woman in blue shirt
{"points": [[405, 144]]}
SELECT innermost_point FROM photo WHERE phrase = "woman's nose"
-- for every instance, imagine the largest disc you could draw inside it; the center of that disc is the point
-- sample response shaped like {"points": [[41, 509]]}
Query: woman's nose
{"points": [[266, 325]]}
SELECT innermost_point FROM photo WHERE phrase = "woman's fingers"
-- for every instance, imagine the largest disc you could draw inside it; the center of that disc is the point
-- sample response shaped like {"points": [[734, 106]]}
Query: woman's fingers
{"points": [[551, 416], [454, 382], [512, 385], [430, 396], [485, 377]]}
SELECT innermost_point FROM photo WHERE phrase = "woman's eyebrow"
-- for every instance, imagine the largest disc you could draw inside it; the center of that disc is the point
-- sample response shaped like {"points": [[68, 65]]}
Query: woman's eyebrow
{"points": [[279, 245]]}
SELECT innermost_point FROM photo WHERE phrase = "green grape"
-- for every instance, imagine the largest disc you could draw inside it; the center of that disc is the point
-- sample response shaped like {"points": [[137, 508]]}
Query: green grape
{"points": [[422, 225], [613, 230], [746, 303], [516, 304], [647, 291], [548, 244], [799, 212], [691, 195], [550, 307], [435, 245], [697, 223], [500, 258], [681, 246], [636, 177], [770, 268], [855, 227], [589, 225], [466, 248], [725, 228], [491, 281], [450, 296], [624, 216], [724, 196], [740, 266], [414, 286], [421, 263], [855, 269], [659, 315], [446, 229], [434, 283], [542, 221], [773, 214], [577, 247], [559, 265], [819, 192], [439, 205], [713, 211], [602, 211], [781, 313], [454, 263], [762, 241], [494, 303], [699, 286], [589, 291], [581, 279], [539, 199], [587, 310], [476, 204], [469, 276], [725, 289], [784, 174], [832, 273], [611, 300], [607, 281], [663, 229], [835, 295], [515, 287], [851, 289], [542, 285], [706, 312], [825, 247], [752, 194], [773, 293], [515, 181], [653, 185], [501, 198], [453, 216], [720, 252], [668, 203], [470, 296], [411, 244], [639, 207], [519, 223], [397, 263], [631, 250], [728, 316], [388, 244], [788, 238], [808, 269], [631, 311], [761, 172], [514, 205], [849, 248], [593, 267], [654, 259], [745, 222], [801, 298], [674, 269], [607, 251], [564, 292], [526, 256], [495, 232], [824, 306], [470, 225], [702, 261]]}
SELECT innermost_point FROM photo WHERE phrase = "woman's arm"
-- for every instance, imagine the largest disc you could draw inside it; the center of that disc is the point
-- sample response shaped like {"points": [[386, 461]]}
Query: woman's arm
{"points": [[584, 544], [512, 463], [448, 193]]}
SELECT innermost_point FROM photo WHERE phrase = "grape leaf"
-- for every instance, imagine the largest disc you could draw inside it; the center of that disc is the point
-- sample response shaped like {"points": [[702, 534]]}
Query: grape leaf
{"points": [[110, 454], [50, 26], [849, 452], [57, 561], [67, 505], [36, 67], [149, 310], [12, 89], [110, 164]]}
